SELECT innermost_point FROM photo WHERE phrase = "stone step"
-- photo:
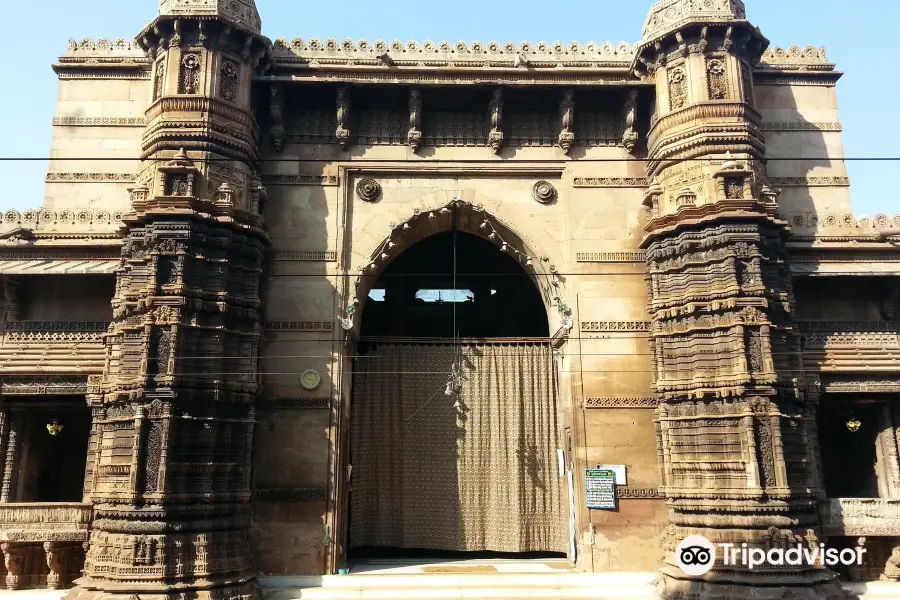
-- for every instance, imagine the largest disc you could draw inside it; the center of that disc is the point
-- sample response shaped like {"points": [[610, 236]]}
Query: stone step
{"points": [[510, 586]]}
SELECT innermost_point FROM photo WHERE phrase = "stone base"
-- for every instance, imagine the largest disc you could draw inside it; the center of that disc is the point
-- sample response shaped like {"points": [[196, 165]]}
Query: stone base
{"points": [[822, 585], [249, 590]]}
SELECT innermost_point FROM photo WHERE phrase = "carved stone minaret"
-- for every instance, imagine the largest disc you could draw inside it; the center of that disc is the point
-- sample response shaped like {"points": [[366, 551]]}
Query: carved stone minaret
{"points": [[169, 464], [734, 425]]}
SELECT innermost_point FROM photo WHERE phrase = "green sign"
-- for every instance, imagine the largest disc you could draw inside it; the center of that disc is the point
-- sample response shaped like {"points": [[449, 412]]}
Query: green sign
{"points": [[600, 488]]}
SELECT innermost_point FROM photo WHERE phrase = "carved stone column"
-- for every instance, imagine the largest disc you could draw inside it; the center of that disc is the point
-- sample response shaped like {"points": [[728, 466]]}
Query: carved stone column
{"points": [[169, 471], [53, 551], [11, 295], [733, 424], [14, 560]]}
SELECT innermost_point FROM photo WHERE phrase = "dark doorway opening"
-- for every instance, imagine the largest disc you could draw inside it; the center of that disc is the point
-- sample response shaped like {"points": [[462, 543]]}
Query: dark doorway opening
{"points": [[848, 433], [54, 441], [492, 296]]}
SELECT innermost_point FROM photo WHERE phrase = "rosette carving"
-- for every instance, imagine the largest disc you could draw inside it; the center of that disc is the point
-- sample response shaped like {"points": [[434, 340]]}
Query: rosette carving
{"points": [[368, 189], [544, 192]]}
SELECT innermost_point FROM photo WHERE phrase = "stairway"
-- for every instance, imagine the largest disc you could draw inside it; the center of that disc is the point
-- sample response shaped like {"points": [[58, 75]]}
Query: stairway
{"points": [[470, 580]]}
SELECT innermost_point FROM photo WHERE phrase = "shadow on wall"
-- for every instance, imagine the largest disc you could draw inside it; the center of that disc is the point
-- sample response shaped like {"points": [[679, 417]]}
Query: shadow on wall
{"points": [[293, 441]]}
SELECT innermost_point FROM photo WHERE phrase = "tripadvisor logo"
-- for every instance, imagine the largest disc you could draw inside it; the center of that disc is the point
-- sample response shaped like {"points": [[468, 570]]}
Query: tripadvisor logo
{"points": [[696, 556]]}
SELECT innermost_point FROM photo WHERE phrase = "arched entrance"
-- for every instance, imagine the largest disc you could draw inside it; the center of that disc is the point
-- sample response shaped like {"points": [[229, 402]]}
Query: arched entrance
{"points": [[454, 430]]}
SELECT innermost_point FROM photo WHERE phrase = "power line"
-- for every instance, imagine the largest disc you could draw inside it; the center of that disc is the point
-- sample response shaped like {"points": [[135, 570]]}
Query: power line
{"points": [[297, 160]]}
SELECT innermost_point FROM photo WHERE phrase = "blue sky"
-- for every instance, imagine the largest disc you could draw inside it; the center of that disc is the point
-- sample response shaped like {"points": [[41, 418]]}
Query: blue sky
{"points": [[859, 37]]}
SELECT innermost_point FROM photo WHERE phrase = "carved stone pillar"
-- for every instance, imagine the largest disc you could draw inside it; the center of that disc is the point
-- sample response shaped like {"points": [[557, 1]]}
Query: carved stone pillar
{"points": [[53, 551], [11, 295], [733, 420], [169, 466], [14, 560]]}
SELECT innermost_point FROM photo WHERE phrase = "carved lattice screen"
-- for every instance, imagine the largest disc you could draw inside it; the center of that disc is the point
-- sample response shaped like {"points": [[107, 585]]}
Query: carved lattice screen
{"points": [[472, 472]]}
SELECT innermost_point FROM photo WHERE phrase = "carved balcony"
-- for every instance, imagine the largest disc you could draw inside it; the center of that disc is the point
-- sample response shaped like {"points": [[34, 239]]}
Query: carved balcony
{"points": [[52, 347], [43, 543], [850, 346], [860, 517]]}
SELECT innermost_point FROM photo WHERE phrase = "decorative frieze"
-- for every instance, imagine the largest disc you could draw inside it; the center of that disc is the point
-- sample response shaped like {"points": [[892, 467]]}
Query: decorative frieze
{"points": [[610, 182], [860, 384], [99, 121], [290, 494], [56, 332], [300, 179], [611, 257], [635, 493], [644, 403], [826, 181], [275, 326], [860, 517], [298, 403], [794, 57], [800, 126], [89, 177], [44, 385], [305, 255], [628, 326]]}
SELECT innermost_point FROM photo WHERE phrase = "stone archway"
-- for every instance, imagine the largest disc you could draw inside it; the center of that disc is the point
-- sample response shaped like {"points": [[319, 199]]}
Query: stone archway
{"points": [[433, 474]]}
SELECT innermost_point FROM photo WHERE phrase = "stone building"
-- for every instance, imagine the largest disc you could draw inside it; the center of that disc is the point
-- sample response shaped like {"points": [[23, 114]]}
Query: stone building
{"points": [[290, 305]]}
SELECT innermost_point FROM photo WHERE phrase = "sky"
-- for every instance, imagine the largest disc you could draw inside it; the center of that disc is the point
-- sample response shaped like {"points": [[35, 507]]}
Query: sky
{"points": [[859, 36]]}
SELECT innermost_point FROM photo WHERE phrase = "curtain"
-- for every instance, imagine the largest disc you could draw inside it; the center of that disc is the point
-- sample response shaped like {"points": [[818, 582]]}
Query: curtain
{"points": [[476, 470]]}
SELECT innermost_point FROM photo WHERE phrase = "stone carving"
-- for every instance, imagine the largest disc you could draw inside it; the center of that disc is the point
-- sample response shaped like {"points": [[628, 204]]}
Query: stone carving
{"points": [[91, 177], [276, 112], [621, 403], [158, 81], [238, 13], [412, 52], [299, 326], [495, 109], [311, 255], [677, 89], [342, 132], [368, 189], [300, 180], [669, 15], [414, 135], [229, 76], [610, 182], [716, 79], [635, 326], [544, 192], [567, 121], [630, 137], [293, 403], [613, 257], [189, 74], [794, 56]]}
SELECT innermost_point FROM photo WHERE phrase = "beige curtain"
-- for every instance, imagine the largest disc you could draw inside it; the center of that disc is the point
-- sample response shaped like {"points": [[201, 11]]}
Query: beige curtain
{"points": [[468, 472]]}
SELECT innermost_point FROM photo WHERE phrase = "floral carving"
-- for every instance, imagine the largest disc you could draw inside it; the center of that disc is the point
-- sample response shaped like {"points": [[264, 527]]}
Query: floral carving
{"points": [[159, 79], [677, 89], [717, 79], [368, 189], [228, 83], [543, 192], [189, 79]]}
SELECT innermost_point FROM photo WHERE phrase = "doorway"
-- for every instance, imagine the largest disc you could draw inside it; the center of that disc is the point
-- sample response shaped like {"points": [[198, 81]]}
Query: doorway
{"points": [[454, 430]]}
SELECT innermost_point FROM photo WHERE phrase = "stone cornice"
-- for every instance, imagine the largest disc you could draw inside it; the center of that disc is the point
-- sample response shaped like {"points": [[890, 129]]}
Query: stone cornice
{"points": [[691, 216]]}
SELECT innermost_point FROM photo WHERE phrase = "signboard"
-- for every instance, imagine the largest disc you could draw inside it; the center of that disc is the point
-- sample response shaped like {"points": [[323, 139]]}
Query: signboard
{"points": [[600, 488], [619, 470]]}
